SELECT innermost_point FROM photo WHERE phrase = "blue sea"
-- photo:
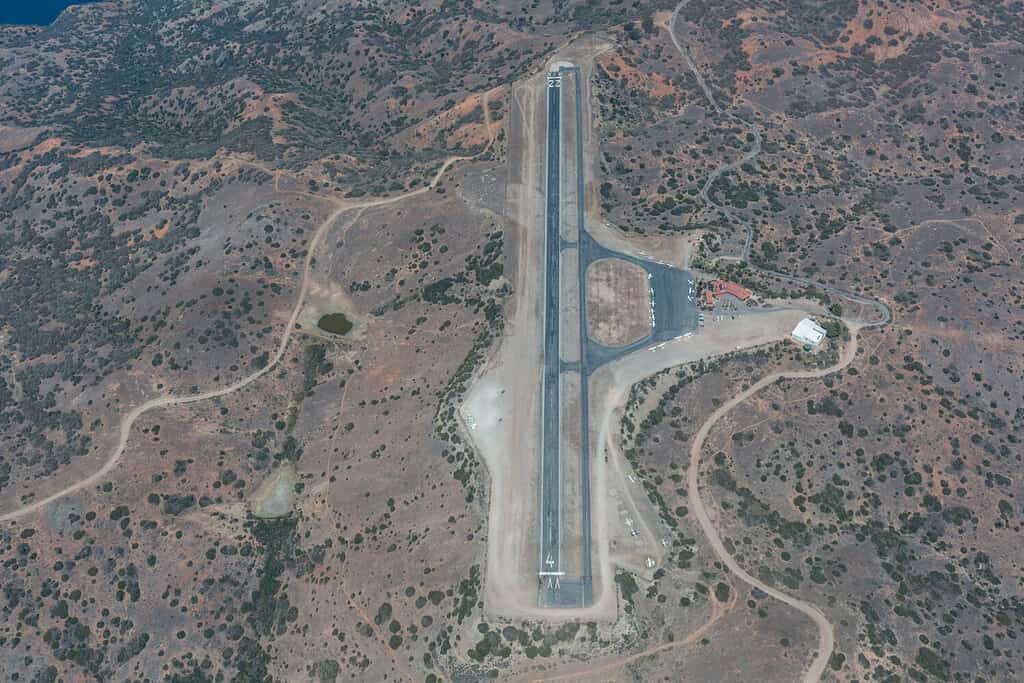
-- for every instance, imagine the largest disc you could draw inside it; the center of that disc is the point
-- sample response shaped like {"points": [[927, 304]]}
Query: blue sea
{"points": [[38, 12]]}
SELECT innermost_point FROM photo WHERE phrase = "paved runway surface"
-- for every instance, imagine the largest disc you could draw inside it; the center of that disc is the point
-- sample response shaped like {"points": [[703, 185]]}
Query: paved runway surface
{"points": [[551, 489], [674, 313]]}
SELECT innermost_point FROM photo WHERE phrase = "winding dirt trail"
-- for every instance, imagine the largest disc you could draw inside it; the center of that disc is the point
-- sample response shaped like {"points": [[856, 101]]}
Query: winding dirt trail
{"points": [[129, 419], [885, 315], [826, 633], [587, 673], [753, 130]]}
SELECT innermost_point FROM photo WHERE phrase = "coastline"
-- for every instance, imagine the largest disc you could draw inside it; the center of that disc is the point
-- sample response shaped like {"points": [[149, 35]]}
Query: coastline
{"points": [[40, 14]]}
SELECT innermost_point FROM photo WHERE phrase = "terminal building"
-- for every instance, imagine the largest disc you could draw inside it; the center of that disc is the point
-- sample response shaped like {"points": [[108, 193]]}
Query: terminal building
{"points": [[719, 287]]}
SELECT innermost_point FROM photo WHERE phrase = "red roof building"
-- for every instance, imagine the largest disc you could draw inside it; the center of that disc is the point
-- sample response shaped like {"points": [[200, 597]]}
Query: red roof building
{"points": [[720, 287]]}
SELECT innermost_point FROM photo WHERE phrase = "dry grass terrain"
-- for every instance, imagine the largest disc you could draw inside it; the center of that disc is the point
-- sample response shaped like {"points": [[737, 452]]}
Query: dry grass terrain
{"points": [[618, 302], [884, 494], [166, 169]]}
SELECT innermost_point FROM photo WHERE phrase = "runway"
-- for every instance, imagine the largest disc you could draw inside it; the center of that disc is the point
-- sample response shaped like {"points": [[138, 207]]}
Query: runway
{"points": [[551, 489], [673, 311]]}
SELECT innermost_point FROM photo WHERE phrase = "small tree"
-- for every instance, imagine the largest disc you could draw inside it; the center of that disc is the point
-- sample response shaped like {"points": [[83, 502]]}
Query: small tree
{"points": [[832, 328]]}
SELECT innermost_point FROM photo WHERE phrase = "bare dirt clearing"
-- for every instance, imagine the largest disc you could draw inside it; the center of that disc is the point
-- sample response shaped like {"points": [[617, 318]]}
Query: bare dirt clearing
{"points": [[501, 409], [618, 302], [276, 495]]}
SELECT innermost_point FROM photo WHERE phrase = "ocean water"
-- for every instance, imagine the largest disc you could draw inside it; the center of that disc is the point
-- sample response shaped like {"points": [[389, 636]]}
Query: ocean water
{"points": [[39, 12]]}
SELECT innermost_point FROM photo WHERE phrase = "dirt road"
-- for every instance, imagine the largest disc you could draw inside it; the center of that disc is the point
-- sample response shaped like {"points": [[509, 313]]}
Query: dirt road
{"points": [[608, 670], [129, 419], [885, 315], [751, 154], [826, 635]]}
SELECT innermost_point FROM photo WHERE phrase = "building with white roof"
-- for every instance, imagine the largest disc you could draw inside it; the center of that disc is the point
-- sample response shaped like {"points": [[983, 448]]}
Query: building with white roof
{"points": [[808, 332]]}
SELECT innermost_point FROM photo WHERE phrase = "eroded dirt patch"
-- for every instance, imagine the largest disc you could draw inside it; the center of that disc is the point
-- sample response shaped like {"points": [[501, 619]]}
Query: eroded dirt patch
{"points": [[275, 496], [618, 302]]}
